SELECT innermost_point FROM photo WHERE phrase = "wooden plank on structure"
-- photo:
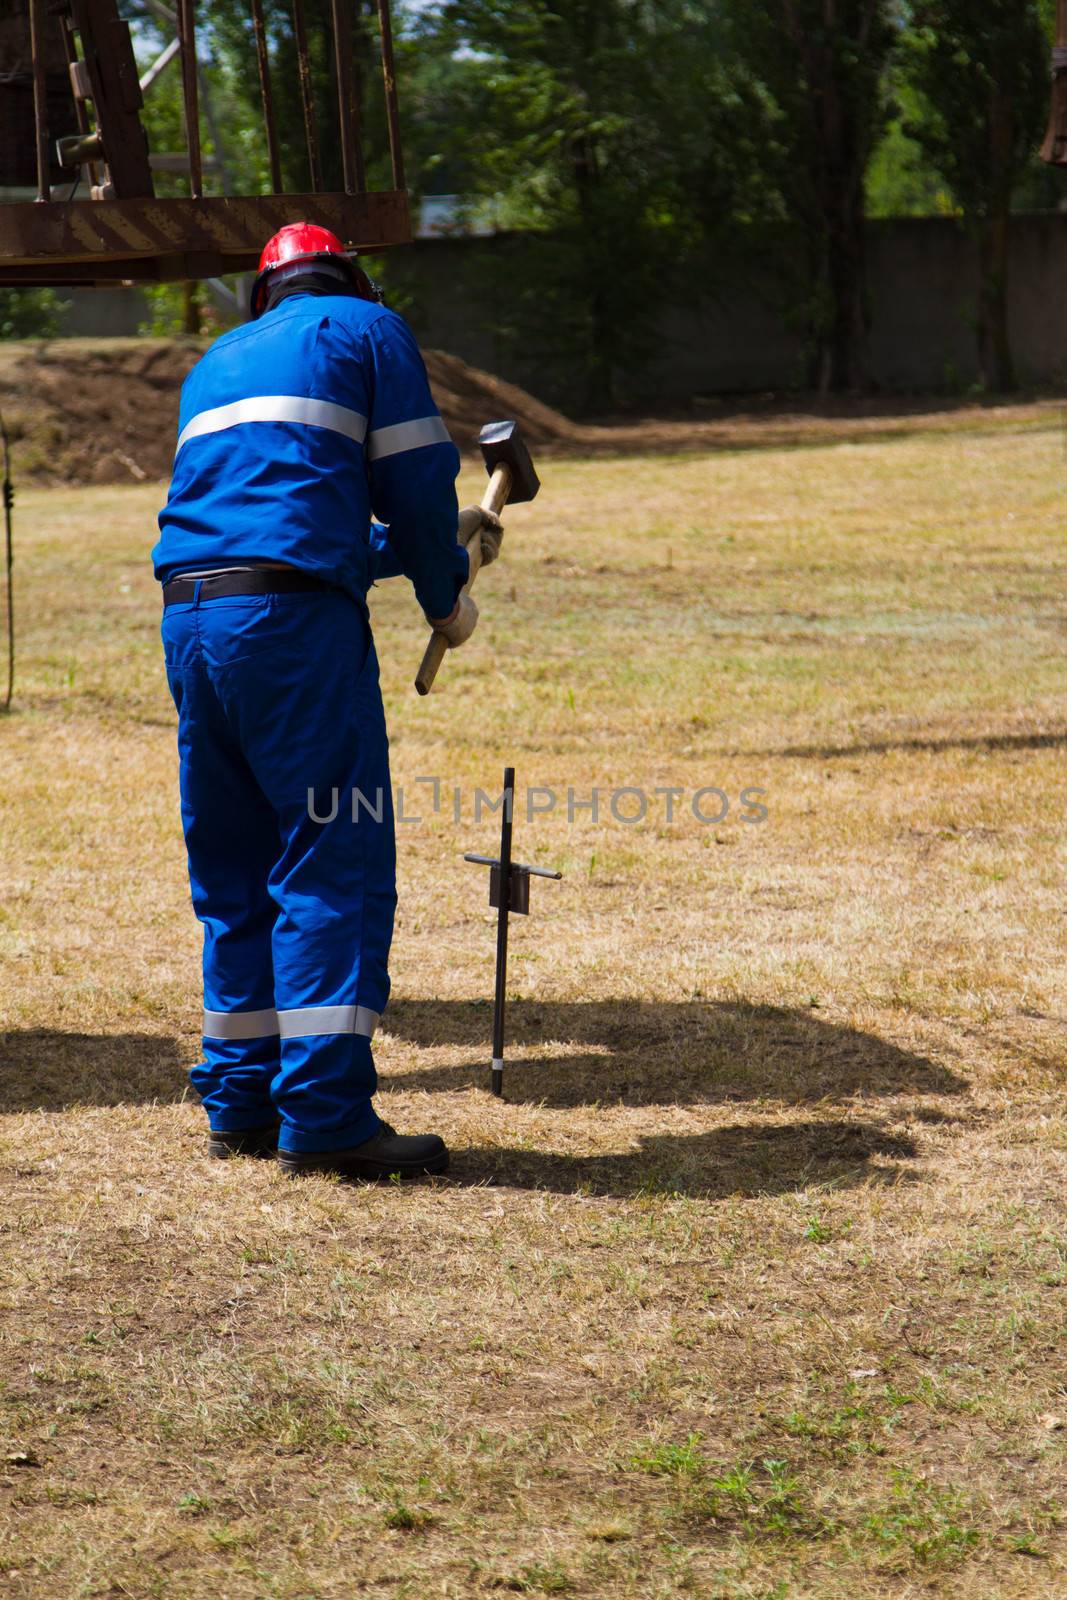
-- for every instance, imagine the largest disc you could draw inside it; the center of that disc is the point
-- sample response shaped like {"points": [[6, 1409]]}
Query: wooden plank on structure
{"points": [[116, 94], [86, 241]]}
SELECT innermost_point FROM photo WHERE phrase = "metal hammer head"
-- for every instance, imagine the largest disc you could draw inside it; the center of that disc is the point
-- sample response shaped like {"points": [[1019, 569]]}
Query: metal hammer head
{"points": [[503, 445]]}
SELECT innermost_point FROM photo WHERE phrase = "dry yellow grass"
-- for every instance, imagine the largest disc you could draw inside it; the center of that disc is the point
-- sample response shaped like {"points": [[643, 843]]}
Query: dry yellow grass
{"points": [[753, 1286]]}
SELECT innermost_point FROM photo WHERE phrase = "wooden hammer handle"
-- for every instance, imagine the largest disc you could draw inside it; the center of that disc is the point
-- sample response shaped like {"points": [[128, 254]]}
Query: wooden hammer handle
{"points": [[494, 499]]}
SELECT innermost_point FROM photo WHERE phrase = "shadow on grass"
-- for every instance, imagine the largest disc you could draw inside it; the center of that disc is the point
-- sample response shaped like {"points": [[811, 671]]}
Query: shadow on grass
{"points": [[745, 1160], [597, 1052], [882, 747], [43, 1069], [636, 1053], [53, 1071], [793, 422]]}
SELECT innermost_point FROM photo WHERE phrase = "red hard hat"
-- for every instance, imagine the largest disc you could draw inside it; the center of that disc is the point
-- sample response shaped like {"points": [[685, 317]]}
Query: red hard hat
{"points": [[297, 241]]}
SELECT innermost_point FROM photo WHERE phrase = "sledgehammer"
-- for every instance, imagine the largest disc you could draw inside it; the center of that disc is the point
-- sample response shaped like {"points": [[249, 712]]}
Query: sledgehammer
{"points": [[512, 479]]}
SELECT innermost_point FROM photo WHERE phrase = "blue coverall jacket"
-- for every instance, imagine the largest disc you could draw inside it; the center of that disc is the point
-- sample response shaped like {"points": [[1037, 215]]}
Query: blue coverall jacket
{"points": [[292, 429]]}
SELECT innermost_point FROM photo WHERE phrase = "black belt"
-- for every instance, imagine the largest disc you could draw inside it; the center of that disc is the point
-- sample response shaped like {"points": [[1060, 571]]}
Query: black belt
{"points": [[251, 580]]}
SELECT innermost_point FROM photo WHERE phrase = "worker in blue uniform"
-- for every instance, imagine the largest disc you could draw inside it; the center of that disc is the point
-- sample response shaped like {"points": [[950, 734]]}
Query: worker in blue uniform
{"points": [[293, 428]]}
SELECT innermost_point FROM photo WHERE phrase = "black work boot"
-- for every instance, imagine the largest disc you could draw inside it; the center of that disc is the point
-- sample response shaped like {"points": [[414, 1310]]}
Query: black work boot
{"points": [[248, 1142], [388, 1155]]}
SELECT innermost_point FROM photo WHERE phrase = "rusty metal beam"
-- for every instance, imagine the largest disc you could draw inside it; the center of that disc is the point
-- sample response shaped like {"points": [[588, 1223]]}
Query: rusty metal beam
{"points": [[392, 111], [348, 109], [40, 98], [85, 241], [267, 96], [190, 94], [307, 95]]}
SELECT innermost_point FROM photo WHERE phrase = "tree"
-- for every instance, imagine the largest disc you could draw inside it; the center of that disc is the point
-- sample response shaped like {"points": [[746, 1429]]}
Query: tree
{"points": [[822, 64], [590, 125], [980, 71], [901, 182]]}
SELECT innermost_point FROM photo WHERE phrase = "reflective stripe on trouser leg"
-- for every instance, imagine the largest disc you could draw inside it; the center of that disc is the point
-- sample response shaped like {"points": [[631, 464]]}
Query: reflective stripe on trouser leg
{"points": [[241, 1024], [300, 1022], [305, 1022]]}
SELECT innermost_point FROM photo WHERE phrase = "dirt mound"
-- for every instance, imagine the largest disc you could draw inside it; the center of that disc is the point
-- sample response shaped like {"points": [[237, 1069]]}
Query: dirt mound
{"points": [[105, 410], [468, 398], [93, 411]]}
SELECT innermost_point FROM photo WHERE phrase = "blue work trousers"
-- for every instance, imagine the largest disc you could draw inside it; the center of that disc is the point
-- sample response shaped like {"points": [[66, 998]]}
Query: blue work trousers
{"points": [[287, 810]]}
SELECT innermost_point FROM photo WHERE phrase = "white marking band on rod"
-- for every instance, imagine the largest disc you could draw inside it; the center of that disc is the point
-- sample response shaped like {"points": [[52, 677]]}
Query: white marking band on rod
{"points": [[240, 1024], [277, 408], [498, 1066], [403, 436], [305, 1021]]}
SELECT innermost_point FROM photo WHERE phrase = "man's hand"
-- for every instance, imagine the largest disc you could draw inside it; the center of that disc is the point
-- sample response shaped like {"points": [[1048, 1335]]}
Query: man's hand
{"points": [[481, 532], [457, 628]]}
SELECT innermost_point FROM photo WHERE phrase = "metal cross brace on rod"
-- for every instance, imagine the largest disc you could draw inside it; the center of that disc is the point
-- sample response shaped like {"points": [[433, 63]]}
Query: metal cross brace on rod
{"points": [[509, 890]]}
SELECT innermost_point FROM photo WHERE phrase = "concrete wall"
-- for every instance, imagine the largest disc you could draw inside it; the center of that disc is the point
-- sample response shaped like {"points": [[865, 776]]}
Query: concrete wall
{"points": [[924, 287], [922, 290], [459, 293], [103, 313]]}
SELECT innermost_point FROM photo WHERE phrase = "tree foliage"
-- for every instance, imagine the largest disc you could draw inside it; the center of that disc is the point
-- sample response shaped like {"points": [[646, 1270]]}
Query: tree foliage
{"points": [[980, 71], [30, 313], [610, 130]]}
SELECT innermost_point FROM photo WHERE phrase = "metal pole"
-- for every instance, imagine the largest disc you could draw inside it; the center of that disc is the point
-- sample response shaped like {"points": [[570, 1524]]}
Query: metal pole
{"points": [[8, 494], [497, 1076], [187, 41], [215, 130], [40, 98], [347, 102], [307, 95], [267, 96], [396, 154]]}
